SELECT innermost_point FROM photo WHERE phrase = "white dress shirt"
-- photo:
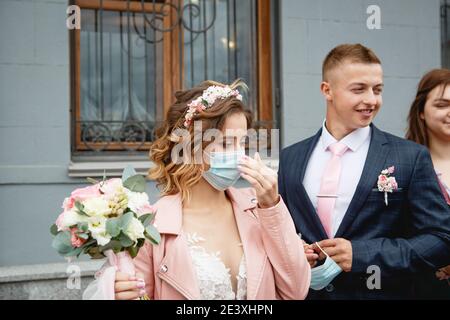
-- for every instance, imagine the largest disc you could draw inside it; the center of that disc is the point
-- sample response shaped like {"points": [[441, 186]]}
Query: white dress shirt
{"points": [[353, 162]]}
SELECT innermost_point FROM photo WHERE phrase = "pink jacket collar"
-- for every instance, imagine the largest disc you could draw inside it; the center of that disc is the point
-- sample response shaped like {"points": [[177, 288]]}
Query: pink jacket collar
{"points": [[169, 221]]}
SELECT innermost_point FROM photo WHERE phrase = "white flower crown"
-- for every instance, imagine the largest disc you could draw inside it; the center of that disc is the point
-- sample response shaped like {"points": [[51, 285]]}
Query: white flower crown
{"points": [[207, 99]]}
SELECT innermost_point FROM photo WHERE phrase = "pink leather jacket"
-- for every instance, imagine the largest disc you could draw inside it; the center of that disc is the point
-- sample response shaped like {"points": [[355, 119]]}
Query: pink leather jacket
{"points": [[276, 263]]}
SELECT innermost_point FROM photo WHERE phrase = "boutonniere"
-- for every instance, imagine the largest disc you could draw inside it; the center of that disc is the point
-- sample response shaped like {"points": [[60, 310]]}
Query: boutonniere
{"points": [[386, 183]]}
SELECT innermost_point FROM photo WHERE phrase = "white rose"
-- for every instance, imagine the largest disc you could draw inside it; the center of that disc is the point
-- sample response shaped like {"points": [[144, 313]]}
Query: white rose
{"points": [[135, 230], [71, 218], [136, 200], [97, 227], [96, 207]]}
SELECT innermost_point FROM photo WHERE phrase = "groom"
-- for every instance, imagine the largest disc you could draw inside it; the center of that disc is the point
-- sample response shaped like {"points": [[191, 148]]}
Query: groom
{"points": [[330, 183]]}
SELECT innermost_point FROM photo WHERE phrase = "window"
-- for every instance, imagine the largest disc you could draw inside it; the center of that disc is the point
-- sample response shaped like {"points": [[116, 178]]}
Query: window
{"points": [[445, 33], [130, 56]]}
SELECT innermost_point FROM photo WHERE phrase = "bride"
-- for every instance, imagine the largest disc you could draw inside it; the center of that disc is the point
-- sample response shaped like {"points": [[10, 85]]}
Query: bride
{"points": [[217, 242]]}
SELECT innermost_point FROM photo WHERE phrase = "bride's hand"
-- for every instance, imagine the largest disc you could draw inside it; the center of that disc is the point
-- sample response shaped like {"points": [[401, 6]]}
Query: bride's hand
{"points": [[128, 287], [262, 178]]}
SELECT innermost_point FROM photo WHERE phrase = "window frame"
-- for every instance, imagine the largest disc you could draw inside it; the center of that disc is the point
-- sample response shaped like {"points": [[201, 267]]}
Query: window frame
{"points": [[173, 71]]}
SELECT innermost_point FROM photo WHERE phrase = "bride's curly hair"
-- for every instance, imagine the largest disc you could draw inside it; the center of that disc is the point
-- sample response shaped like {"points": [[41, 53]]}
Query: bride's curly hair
{"points": [[173, 177]]}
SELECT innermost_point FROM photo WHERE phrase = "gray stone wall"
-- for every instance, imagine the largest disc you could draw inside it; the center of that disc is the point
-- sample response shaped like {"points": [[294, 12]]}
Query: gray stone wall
{"points": [[408, 45]]}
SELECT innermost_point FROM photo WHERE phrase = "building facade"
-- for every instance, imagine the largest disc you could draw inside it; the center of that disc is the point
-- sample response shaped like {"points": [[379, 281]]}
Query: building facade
{"points": [[73, 102]]}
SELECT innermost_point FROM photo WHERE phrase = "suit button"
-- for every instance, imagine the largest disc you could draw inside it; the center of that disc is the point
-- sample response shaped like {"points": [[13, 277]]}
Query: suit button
{"points": [[329, 288], [163, 268]]}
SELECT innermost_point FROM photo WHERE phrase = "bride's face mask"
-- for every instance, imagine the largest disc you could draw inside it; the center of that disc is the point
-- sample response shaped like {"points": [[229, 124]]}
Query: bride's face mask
{"points": [[322, 275], [223, 172], [223, 156]]}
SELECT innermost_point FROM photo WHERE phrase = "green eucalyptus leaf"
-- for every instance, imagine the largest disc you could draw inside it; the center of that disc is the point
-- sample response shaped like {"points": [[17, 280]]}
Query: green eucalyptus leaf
{"points": [[80, 208], [74, 252], [125, 241], [125, 220], [54, 229], [146, 219], [128, 172], [61, 242], [152, 234], [82, 235], [113, 226], [114, 245], [135, 183], [133, 251], [83, 227]]}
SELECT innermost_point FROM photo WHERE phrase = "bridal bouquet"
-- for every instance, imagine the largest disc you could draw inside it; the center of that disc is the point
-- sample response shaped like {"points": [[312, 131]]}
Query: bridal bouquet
{"points": [[112, 218]]}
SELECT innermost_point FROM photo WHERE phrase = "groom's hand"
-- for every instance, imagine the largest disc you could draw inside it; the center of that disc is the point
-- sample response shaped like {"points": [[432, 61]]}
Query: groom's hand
{"points": [[340, 250]]}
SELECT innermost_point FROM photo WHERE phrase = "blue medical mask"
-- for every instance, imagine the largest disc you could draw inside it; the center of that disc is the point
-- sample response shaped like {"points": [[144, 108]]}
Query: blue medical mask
{"points": [[223, 172], [322, 275]]}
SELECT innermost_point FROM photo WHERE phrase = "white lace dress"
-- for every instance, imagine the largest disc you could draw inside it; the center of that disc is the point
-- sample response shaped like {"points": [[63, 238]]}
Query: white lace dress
{"points": [[213, 276]]}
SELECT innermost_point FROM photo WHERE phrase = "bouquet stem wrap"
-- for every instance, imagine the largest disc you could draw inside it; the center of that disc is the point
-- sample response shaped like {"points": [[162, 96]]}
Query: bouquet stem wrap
{"points": [[122, 261], [103, 287]]}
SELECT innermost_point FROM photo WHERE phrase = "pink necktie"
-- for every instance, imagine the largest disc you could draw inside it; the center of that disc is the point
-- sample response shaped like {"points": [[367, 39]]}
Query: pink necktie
{"points": [[329, 187]]}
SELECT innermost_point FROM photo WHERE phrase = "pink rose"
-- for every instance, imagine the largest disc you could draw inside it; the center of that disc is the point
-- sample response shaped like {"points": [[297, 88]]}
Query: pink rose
{"points": [[75, 240], [59, 221], [82, 194], [382, 179], [146, 208], [393, 183], [68, 203]]}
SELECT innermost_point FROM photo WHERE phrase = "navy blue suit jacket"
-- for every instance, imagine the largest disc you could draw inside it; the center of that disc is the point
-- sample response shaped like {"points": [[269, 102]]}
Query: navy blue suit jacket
{"points": [[409, 236]]}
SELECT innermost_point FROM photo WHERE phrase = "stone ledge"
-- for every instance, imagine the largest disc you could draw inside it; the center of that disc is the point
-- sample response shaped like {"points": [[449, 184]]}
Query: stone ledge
{"points": [[113, 169], [47, 281], [47, 271]]}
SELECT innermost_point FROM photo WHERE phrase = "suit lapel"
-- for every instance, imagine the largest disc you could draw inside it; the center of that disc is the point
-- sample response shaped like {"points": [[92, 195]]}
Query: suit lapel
{"points": [[375, 161], [302, 196]]}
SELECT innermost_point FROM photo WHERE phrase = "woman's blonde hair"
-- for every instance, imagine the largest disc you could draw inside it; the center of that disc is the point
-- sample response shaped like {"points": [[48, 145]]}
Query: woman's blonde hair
{"points": [[173, 177]]}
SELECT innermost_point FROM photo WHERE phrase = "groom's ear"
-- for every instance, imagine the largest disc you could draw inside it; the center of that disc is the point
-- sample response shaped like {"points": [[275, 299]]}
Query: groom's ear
{"points": [[326, 90]]}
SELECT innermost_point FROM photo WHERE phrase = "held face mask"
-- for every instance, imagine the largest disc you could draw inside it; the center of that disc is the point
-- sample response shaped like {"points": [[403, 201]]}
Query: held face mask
{"points": [[223, 172], [322, 275]]}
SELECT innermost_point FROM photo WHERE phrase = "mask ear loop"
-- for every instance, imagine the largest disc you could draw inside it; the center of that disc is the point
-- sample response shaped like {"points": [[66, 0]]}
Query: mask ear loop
{"points": [[208, 162], [317, 244]]}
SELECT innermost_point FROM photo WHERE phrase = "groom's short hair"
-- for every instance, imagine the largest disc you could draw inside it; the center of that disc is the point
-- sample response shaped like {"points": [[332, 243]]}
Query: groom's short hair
{"points": [[354, 53]]}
